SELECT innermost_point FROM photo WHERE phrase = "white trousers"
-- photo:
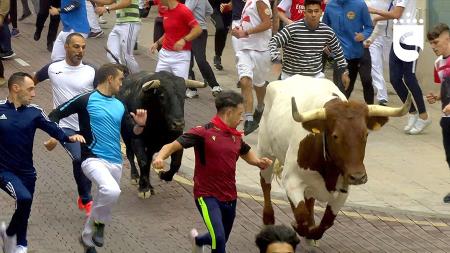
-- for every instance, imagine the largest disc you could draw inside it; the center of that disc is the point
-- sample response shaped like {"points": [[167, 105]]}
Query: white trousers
{"points": [[175, 62], [121, 42], [58, 52], [92, 18], [379, 52], [106, 176]]}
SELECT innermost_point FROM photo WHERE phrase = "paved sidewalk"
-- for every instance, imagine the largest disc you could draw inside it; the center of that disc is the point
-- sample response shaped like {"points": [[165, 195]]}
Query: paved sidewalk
{"points": [[398, 210]]}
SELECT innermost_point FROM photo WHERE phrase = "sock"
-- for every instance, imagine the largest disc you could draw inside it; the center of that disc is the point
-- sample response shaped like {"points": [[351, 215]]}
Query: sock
{"points": [[248, 116], [260, 107]]}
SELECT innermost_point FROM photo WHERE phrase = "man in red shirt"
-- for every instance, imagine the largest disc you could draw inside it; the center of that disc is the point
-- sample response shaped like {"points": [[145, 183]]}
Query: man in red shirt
{"points": [[217, 146], [290, 11], [180, 28]]}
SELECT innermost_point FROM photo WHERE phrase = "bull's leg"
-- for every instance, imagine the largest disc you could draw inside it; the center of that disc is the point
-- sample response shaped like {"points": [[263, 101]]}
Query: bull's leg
{"points": [[328, 218], [302, 217], [144, 165], [327, 221], [134, 174], [310, 206], [268, 213], [130, 156], [175, 164]]}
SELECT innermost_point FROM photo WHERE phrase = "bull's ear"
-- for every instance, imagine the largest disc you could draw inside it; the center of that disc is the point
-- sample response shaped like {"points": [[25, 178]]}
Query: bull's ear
{"points": [[375, 123], [316, 126]]}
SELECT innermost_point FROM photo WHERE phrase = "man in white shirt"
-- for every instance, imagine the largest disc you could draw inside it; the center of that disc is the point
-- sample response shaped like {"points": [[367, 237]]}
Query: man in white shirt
{"points": [[70, 78], [379, 44], [403, 74], [253, 57]]}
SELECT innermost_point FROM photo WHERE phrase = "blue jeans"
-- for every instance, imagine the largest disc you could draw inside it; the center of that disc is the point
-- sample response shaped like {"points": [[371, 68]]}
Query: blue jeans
{"points": [[218, 217], [84, 185], [403, 78], [21, 188]]}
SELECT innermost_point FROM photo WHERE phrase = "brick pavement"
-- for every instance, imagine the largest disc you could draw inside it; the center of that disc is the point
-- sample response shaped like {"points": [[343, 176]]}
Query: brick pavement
{"points": [[161, 223]]}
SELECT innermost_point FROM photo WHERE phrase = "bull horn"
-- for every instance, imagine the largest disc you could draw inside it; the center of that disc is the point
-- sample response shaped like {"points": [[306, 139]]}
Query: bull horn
{"points": [[384, 111], [152, 84], [194, 84], [307, 116]]}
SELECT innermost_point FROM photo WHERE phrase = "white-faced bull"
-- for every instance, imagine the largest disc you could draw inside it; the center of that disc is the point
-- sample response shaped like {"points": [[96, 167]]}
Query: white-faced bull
{"points": [[321, 159], [162, 95]]}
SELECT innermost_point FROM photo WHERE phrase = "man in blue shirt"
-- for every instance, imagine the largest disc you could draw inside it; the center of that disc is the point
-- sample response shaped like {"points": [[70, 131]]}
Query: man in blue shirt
{"points": [[101, 117], [350, 20], [19, 120]]}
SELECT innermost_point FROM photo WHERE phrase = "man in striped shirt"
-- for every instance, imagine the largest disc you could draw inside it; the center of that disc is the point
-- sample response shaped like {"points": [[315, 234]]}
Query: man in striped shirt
{"points": [[303, 42]]}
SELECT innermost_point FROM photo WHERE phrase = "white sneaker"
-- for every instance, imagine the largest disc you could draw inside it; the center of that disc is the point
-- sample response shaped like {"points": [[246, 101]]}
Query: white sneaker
{"points": [[21, 249], [101, 20], [216, 90], [412, 118], [191, 93], [420, 126], [9, 242], [195, 248]]}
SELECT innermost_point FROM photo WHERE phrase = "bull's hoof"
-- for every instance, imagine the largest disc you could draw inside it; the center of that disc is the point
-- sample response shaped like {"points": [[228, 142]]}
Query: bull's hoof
{"points": [[166, 176], [312, 243], [268, 216], [145, 195], [134, 181]]}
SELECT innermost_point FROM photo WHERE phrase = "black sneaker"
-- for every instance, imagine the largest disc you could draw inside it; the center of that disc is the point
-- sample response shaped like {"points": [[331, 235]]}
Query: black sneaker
{"points": [[87, 249], [97, 237], [96, 34], [218, 63], [25, 15], [382, 102], [37, 35], [50, 47], [250, 126], [447, 198], [7, 55], [257, 115]]}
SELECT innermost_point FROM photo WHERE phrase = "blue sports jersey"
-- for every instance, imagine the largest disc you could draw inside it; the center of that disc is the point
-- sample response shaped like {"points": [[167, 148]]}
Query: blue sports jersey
{"points": [[17, 129], [101, 118]]}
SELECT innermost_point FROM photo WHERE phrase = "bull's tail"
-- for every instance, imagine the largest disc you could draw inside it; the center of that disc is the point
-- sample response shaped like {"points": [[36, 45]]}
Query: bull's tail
{"points": [[277, 169]]}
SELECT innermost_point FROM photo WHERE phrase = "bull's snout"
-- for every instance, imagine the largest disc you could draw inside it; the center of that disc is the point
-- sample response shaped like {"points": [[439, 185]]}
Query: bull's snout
{"points": [[178, 125], [357, 178]]}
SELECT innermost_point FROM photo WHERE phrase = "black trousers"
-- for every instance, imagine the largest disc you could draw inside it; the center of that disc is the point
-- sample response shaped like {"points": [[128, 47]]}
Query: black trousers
{"points": [[2, 70], [222, 22], [44, 6], [199, 53], [445, 125], [363, 66], [13, 13]]}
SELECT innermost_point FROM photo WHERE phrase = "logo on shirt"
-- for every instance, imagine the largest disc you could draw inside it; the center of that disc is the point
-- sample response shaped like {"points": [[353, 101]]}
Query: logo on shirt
{"points": [[3, 116], [213, 137], [351, 15], [59, 72], [409, 32]]}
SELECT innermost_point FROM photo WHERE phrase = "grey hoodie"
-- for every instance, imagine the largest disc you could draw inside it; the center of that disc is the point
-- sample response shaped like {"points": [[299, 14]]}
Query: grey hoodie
{"points": [[201, 9]]}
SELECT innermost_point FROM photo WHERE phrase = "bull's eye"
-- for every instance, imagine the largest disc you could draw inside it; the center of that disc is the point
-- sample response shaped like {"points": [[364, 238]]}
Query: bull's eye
{"points": [[335, 137]]}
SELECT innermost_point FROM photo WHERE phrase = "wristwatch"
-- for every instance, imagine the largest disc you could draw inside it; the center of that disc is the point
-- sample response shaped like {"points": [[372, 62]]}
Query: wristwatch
{"points": [[107, 9]]}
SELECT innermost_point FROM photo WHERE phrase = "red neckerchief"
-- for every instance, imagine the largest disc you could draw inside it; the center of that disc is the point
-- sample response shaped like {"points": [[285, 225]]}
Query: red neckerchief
{"points": [[217, 121]]}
